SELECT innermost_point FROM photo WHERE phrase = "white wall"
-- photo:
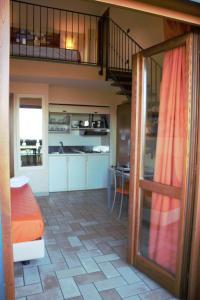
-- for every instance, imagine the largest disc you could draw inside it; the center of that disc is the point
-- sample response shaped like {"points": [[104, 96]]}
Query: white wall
{"points": [[73, 140], [85, 6], [84, 93], [145, 29], [51, 72]]}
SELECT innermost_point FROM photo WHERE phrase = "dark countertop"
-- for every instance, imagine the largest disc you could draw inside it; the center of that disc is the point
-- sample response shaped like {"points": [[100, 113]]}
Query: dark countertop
{"points": [[74, 150]]}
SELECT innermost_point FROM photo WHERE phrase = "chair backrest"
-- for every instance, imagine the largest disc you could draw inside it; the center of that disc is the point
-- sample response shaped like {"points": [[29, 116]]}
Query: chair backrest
{"points": [[119, 178]]}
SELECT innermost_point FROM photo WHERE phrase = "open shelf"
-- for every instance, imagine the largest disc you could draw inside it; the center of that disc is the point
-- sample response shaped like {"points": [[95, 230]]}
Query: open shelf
{"points": [[82, 123], [59, 122], [92, 129]]}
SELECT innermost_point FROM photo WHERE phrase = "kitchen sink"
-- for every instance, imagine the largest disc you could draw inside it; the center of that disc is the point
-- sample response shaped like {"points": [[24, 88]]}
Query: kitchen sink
{"points": [[77, 151], [54, 153], [91, 151]]}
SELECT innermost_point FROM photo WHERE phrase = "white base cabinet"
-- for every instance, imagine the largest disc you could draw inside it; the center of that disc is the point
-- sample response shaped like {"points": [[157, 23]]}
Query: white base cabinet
{"points": [[78, 172], [97, 169], [58, 179]]}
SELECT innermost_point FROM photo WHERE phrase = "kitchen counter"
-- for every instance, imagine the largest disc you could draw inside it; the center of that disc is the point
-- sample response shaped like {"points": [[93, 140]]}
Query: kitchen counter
{"points": [[78, 153], [56, 150]]}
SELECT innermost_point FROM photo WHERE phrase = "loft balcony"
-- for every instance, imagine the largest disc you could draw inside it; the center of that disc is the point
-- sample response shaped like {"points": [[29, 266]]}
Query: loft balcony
{"points": [[54, 34], [47, 33]]}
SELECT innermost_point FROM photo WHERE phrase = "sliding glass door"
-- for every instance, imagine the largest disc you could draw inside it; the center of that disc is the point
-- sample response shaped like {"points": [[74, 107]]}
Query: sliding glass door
{"points": [[164, 131]]}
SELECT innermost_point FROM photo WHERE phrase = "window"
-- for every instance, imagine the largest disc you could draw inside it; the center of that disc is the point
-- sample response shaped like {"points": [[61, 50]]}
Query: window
{"points": [[30, 131]]}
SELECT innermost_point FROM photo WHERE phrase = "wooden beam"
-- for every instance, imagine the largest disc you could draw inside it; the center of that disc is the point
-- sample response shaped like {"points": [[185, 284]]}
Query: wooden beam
{"points": [[176, 10], [4, 150], [165, 46], [163, 189]]}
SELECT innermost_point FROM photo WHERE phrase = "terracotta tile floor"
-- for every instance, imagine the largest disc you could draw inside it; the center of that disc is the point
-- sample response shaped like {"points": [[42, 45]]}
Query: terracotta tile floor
{"points": [[85, 254]]}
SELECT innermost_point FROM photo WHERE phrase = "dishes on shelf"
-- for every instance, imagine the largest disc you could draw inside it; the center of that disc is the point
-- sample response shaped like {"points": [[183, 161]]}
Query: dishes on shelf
{"points": [[59, 122]]}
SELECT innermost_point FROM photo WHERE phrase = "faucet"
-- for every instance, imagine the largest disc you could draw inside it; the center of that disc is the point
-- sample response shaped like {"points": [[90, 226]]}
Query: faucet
{"points": [[61, 150]]}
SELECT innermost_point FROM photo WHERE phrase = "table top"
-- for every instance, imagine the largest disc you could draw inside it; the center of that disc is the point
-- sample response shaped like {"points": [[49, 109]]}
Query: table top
{"points": [[121, 171], [28, 147]]}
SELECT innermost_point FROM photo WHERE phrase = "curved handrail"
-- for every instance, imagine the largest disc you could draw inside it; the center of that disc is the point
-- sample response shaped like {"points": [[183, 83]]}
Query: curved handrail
{"points": [[119, 49]]}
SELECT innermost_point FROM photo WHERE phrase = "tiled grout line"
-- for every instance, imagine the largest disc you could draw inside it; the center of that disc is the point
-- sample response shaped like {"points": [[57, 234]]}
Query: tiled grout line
{"points": [[97, 290], [23, 276], [60, 287], [41, 280], [59, 284]]}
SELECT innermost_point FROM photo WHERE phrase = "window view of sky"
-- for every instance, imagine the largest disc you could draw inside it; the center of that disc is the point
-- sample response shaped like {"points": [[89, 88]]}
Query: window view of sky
{"points": [[30, 123]]}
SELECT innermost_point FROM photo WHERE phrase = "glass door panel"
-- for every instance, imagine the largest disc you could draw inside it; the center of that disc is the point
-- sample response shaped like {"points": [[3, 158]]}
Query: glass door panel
{"points": [[162, 120], [159, 228], [162, 161], [152, 78], [30, 131], [162, 158]]}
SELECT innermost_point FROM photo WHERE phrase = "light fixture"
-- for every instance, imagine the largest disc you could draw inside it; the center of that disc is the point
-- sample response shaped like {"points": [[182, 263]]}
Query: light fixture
{"points": [[69, 43]]}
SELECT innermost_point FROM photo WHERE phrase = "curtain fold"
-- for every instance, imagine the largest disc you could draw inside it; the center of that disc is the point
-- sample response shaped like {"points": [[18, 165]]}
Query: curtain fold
{"points": [[169, 160]]}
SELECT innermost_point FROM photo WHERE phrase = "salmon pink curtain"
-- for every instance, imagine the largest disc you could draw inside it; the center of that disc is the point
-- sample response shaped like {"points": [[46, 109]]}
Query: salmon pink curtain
{"points": [[165, 211]]}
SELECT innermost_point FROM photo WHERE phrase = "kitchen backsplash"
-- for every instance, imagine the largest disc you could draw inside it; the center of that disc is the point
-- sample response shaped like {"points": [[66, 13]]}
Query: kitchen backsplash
{"points": [[73, 140]]}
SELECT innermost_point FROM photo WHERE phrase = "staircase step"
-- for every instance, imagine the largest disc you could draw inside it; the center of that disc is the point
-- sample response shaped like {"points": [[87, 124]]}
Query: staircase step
{"points": [[121, 83], [120, 75], [122, 79], [124, 93], [113, 70], [116, 78]]}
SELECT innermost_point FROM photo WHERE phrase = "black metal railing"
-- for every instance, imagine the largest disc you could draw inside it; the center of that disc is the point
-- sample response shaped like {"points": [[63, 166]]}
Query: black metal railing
{"points": [[117, 49], [55, 34], [121, 47]]}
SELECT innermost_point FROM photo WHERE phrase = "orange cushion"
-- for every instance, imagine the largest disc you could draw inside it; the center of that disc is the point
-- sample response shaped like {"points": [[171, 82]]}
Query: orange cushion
{"points": [[27, 221], [125, 190]]}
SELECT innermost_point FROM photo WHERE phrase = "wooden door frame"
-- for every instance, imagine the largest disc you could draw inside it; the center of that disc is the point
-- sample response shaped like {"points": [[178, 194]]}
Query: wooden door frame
{"points": [[193, 276], [164, 277], [176, 9], [5, 204]]}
